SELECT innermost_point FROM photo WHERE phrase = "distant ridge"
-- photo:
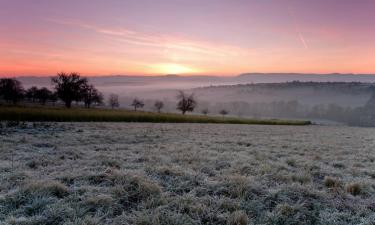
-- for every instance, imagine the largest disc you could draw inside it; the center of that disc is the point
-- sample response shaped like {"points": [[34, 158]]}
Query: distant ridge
{"points": [[174, 81], [307, 74], [305, 77]]}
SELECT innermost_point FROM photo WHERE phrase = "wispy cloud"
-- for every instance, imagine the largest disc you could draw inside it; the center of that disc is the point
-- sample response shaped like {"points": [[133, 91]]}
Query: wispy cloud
{"points": [[162, 41], [297, 28]]}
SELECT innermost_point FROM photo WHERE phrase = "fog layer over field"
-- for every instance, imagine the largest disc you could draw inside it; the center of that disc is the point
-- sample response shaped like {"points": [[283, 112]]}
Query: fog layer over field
{"points": [[335, 97]]}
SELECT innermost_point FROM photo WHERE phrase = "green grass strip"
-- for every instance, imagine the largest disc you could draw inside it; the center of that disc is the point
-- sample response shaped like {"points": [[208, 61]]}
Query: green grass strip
{"points": [[19, 113]]}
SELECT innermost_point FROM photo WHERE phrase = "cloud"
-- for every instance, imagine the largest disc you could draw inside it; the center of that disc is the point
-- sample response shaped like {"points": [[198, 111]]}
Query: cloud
{"points": [[161, 41], [297, 29]]}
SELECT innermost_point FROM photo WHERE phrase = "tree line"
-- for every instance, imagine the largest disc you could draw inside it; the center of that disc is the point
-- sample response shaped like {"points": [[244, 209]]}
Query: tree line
{"points": [[69, 88]]}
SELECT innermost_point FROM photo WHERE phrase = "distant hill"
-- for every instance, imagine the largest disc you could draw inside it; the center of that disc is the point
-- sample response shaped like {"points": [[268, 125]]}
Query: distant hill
{"points": [[206, 80], [287, 77], [352, 94]]}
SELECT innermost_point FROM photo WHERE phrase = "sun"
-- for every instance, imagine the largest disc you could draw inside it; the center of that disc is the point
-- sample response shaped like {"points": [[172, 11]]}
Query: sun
{"points": [[173, 68]]}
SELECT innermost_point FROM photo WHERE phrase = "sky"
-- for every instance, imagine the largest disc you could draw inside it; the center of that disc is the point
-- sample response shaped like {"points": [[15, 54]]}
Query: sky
{"points": [[195, 37]]}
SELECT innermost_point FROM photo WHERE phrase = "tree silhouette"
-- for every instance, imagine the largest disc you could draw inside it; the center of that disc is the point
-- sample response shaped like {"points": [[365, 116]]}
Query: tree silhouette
{"points": [[158, 105], [53, 98], [137, 104], [31, 94], [69, 87], [186, 103], [113, 101], [43, 95], [11, 90], [223, 112], [205, 112], [91, 95]]}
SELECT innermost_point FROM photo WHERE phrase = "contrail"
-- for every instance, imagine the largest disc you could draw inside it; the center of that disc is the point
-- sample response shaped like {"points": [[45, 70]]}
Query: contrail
{"points": [[296, 27]]}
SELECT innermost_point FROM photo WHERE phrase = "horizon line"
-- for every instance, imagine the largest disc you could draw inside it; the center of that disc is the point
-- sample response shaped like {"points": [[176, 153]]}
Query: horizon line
{"points": [[198, 75]]}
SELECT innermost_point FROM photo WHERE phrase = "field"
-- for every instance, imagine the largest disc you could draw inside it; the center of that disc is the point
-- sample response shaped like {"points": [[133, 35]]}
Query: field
{"points": [[146, 173], [107, 115]]}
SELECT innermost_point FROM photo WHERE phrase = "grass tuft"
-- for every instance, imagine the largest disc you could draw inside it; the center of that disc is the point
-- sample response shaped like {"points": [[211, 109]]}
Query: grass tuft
{"points": [[354, 188], [53, 188], [331, 182], [238, 218]]}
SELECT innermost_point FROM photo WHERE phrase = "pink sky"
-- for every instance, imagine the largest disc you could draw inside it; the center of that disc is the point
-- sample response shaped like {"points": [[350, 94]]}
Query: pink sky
{"points": [[211, 37]]}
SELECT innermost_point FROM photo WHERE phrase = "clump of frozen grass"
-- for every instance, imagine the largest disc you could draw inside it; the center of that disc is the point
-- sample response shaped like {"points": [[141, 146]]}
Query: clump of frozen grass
{"points": [[354, 188], [191, 176], [331, 182], [238, 218], [237, 186], [32, 199], [130, 189], [113, 163], [36, 163], [291, 162], [45, 188], [102, 204]]}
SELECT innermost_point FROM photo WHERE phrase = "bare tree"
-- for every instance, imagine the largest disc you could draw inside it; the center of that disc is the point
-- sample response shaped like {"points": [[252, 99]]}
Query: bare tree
{"points": [[205, 112], [11, 90], [113, 101], [69, 87], [91, 95], [158, 105], [31, 93], [223, 112], [43, 95], [137, 104], [186, 103]]}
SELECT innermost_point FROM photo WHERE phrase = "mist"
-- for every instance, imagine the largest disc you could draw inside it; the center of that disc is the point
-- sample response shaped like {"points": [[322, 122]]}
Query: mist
{"points": [[321, 98]]}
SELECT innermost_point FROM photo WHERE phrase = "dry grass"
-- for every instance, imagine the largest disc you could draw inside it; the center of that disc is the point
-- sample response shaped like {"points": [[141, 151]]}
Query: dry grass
{"points": [[140, 173]]}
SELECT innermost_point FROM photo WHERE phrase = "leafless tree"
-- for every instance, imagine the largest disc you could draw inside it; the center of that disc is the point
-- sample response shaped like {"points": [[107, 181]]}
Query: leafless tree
{"points": [[113, 101], [91, 96], [43, 95], [158, 105], [223, 112], [137, 104], [11, 90], [31, 93], [186, 103]]}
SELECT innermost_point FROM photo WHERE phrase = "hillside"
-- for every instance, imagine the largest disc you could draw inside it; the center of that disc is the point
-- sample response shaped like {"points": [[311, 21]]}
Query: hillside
{"points": [[309, 93]]}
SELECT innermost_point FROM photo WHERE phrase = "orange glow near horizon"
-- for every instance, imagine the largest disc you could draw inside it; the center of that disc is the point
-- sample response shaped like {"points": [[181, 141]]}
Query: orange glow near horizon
{"points": [[128, 38]]}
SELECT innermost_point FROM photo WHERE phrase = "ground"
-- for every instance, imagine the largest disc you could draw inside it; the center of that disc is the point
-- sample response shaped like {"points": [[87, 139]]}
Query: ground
{"points": [[141, 173]]}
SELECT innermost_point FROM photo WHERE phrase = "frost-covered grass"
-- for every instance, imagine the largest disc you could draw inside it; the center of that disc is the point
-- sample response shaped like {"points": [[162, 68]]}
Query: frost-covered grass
{"points": [[57, 114], [147, 173]]}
